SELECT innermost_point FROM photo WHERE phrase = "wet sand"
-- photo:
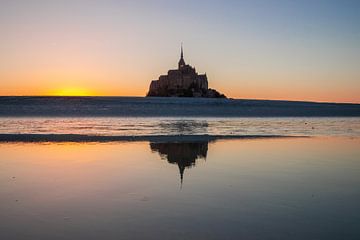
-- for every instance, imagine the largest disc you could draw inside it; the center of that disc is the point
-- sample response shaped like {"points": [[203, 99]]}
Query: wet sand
{"points": [[151, 138], [259, 188]]}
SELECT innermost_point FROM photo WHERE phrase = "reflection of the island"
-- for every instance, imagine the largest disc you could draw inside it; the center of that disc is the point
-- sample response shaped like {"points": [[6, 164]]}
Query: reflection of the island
{"points": [[184, 126], [184, 154]]}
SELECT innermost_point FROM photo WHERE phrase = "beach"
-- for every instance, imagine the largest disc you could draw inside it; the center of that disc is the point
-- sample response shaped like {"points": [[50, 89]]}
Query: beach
{"points": [[269, 188], [74, 171]]}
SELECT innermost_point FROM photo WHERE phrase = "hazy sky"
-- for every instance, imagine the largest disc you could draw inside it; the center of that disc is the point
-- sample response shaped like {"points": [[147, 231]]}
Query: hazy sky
{"points": [[298, 50]]}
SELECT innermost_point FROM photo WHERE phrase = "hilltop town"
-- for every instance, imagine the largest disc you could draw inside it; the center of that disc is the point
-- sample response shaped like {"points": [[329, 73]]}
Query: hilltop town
{"points": [[182, 82]]}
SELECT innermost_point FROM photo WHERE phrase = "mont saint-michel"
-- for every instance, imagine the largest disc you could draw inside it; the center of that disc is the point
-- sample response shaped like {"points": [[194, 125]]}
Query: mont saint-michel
{"points": [[182, 82]]}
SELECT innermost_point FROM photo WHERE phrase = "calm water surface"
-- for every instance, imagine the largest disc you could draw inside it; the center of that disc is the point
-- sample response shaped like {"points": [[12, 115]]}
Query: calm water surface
{"points": [[290, 188]]}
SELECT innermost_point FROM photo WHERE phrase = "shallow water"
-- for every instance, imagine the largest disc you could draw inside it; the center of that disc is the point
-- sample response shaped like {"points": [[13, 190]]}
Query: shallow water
{"points": [[145, 126], [291, 188]]}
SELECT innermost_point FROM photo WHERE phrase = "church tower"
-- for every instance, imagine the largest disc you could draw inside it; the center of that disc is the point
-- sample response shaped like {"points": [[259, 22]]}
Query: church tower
{"points": [[182, 61]]}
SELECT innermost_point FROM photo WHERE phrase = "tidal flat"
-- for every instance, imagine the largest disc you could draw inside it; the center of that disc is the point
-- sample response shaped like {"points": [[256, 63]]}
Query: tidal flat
{"points": [[261, 188]]}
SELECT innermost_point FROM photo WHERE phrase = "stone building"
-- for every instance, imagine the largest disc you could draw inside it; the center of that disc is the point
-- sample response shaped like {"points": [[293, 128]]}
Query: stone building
{"points": [[182, 82]]}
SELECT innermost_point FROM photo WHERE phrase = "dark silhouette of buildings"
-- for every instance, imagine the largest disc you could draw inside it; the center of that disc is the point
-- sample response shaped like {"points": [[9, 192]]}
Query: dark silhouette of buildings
{"points": [[182, 82], [183, 154]]}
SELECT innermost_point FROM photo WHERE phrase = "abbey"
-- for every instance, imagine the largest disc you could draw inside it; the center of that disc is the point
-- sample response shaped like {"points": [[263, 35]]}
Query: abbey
{"points": [[182, 82]]}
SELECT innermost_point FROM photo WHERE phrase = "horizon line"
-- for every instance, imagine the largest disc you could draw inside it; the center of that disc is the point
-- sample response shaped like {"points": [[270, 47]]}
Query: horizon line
{"points": [[229, 98]]}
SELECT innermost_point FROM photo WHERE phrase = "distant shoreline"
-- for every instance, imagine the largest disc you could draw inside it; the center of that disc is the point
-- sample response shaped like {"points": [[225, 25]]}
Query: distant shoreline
{"points": [[140, 97], [43, 106], [148, 138]]}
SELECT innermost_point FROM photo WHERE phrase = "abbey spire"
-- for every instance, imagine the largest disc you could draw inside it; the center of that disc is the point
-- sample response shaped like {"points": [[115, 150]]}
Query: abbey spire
{"points": [[182, 61]]}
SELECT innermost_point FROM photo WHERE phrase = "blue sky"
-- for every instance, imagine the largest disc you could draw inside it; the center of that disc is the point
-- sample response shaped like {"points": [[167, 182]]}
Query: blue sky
{"points": [[304, 50]]}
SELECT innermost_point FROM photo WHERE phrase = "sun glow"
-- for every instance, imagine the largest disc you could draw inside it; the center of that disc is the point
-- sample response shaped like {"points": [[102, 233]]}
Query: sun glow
{"points": [[72, 92]]}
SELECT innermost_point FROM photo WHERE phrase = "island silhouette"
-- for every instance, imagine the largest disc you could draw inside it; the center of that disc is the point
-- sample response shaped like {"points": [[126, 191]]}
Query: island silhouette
{"points": [[182, 82]]}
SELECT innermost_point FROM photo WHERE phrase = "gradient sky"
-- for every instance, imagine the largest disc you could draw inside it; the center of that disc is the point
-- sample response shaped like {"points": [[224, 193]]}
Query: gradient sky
{"points": [[297, 50]]}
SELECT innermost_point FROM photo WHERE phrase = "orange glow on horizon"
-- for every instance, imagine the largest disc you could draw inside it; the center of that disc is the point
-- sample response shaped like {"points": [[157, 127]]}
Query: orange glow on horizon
{"points": [[140, 89], [83, 92], [72, 92], [132, 92]]}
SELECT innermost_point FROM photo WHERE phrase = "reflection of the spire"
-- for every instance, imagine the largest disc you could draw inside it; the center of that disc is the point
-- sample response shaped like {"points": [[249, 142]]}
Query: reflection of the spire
{"points": [[183, 154]]}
